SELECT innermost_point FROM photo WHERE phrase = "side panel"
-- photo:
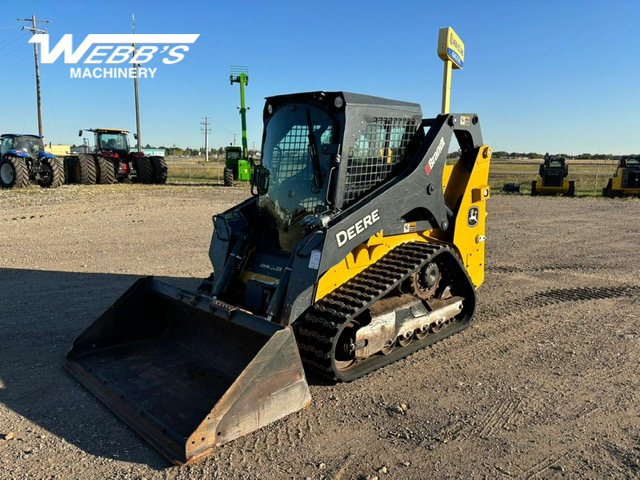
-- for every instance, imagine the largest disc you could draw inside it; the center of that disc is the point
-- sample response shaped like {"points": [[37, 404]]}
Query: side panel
{"points": [[409, 204], [469, 232]]}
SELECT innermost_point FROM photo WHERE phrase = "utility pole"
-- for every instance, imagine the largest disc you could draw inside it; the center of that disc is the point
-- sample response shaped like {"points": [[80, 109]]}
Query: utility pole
{"points": [[135, 88], [206, 129], [34, 30]]}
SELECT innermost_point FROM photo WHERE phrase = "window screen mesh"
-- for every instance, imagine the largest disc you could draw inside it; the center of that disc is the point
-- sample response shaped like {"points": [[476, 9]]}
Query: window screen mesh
{"points": [[380, 146]]}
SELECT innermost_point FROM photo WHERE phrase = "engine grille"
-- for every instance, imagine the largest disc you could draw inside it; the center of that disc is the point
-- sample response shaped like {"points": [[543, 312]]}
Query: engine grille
{"points": [[552, 179], [632, 179]]}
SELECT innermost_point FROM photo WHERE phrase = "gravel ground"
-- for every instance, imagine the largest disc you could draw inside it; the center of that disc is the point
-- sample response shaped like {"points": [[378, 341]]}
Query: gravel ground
{"points": [[543, 384]]}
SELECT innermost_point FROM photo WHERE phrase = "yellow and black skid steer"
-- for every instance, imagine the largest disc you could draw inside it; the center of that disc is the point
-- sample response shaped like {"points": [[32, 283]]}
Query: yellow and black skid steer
{"points": [[626, 178], [361, 244], [553, 178]]}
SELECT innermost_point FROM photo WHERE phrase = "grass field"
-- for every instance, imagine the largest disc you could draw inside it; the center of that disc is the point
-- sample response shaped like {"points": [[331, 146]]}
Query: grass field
{"points": [[589, 176], [194, 169]]}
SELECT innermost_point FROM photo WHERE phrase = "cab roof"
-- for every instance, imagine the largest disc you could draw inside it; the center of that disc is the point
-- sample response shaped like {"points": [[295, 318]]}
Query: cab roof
{"points": [[21, 135], [107, 130]]}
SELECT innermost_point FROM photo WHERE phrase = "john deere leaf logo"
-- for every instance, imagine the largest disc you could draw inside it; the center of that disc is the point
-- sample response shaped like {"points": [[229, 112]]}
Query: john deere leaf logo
{"points": [[472, 218]]}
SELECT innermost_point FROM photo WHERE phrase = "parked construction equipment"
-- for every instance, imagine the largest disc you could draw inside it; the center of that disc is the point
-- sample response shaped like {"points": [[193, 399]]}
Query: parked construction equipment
{"points": [[626, 179], [360, 246], [23, 160], [511, 187], [112, 161], [553, 178], [237, 164]]}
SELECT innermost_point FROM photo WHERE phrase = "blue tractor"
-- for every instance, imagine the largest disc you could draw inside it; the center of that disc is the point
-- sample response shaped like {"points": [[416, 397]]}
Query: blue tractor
{"points": [[24, 160]]}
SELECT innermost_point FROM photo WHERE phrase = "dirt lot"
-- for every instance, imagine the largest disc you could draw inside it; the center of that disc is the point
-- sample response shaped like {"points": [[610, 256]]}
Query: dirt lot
{"points": [[544, 383]]}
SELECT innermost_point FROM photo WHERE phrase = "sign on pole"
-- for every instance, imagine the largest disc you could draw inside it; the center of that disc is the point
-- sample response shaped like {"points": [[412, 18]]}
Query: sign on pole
{"points": [[451, 51]]}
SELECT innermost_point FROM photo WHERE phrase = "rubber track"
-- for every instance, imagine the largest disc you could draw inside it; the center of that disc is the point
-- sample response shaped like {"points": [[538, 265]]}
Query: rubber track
{"points": [[322, 325]]}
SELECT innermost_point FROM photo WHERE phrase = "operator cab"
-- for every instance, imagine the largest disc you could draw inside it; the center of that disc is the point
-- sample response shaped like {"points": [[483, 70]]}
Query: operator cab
{"points": [[322, 151], [32, 145], [298, 164], [112, 141]]}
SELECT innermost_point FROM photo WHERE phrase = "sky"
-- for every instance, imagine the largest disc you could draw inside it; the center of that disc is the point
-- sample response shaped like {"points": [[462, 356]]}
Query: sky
{"points": [[557, 76]]}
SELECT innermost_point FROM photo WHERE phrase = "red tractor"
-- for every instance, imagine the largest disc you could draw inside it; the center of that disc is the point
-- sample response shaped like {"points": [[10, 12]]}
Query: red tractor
{"points": [[113, 161]]}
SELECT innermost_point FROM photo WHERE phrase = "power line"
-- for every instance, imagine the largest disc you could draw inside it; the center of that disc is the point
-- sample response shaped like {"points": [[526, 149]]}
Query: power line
{"points": [[2, 43], [7, 67], [11, 51]]}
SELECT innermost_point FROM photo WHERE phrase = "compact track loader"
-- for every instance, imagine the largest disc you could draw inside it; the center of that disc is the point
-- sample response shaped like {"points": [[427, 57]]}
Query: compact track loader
{"points": [[362, 244], [553, 177], [626, 179]]}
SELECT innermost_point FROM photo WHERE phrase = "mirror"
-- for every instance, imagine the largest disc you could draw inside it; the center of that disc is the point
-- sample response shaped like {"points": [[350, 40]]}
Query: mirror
{"points": [[260, 180]]}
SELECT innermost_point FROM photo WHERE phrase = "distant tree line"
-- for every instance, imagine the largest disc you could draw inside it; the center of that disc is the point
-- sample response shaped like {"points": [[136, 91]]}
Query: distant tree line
{"points": [[500, 154], [216, 153], [533, 155]]}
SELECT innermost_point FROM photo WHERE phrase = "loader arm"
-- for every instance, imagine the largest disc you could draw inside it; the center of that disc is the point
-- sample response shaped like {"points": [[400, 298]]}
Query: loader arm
{"points": [[390, 210]]}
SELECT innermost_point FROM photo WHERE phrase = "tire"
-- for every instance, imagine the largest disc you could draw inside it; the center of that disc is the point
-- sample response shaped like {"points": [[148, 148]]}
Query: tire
{"points": [[228, 177], [572, 189], [86, 169], [53, 175], [106, 171], [13, 172], [144, 170], [160, 170], [534, 192], [607, 191], [70, 169]]}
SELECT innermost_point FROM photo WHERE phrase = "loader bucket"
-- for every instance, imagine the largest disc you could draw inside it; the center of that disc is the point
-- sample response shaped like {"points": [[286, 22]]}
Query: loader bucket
{"points": [[188, 373]]}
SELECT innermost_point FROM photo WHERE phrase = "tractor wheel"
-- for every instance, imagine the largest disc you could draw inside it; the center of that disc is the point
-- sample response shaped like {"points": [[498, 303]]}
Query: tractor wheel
{"points": [[160, 170], [144, 170], [228, 177], [534, 192], [607, 191], [86, 169], [53, 173], [572, 189], [69, 163], [106, 171], [13, 172]]}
